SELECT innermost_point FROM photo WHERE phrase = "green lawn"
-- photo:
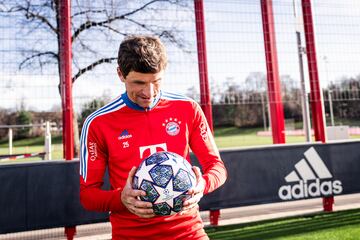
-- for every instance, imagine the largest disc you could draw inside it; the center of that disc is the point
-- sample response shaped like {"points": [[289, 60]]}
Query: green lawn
{"points": [[341, 225], [227, 137], [33, 145]]}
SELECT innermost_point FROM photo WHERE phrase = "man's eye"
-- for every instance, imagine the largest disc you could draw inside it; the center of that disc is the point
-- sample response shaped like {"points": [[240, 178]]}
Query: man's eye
{"points": [[139, 83]]}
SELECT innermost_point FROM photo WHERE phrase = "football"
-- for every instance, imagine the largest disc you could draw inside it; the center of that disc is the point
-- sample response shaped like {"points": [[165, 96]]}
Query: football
{"points": [[165, 177]]}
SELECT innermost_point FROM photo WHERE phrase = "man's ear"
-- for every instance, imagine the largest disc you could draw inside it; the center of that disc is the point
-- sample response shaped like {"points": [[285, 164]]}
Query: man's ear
{"points": [[121, 76]]}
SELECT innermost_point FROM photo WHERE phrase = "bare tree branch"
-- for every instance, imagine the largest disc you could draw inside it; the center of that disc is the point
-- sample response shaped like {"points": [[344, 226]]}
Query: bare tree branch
{"points": [[168, 34], [43, 13], [92, 66], [88, 11], [172, 38], [30, 15], [2, 6], [90, 24], [115, 30], [38, 55], [86, 47]]}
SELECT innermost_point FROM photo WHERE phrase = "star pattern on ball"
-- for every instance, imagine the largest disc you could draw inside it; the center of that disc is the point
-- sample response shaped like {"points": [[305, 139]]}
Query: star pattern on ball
{"points": [[169, 193], [175, 168], [165, 178], [144, 172]]}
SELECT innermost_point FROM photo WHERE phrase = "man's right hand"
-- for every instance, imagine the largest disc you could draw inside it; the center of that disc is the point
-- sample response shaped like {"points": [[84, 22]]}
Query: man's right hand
{"points": [[130, 199]]}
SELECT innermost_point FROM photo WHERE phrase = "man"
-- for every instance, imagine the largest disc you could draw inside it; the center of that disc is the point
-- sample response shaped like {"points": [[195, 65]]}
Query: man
{"points": [[144, 120]]}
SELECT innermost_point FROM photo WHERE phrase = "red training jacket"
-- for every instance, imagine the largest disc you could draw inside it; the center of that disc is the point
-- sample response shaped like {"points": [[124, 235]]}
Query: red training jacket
{"points": [[121, 134]]}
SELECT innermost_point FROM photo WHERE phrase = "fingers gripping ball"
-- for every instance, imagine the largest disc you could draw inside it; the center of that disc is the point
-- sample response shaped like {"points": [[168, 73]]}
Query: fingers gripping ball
{"points": [[165, 177]]}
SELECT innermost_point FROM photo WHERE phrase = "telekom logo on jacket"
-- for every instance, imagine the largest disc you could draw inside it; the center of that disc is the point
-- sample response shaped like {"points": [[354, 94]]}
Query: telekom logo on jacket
{"points": [[153, 149]]}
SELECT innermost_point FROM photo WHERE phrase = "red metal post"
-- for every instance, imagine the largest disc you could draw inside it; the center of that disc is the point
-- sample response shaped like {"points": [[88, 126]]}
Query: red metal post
{"points": [[70, 232], [202, 61], [205, 101], [274, 88], [214, 217], [66, 89], [316, 98], [65, 78]]}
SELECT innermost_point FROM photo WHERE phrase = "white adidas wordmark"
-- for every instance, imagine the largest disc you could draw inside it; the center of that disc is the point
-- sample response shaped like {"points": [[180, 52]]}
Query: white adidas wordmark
{"points": [[308, 175]]}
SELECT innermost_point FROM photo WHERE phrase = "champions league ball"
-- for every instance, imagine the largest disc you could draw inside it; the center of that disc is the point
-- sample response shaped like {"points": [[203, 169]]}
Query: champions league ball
{"points": [[165, 177]]}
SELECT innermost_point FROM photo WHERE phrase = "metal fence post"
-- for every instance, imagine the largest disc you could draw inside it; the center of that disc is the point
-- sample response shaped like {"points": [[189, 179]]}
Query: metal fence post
{"points": [[10, 141], [204, 82], [66, 88], [47, 146], [273, 79], [316, 96]]}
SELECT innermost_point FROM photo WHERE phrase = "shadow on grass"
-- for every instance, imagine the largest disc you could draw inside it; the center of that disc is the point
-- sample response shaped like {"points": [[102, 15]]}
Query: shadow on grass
{"points": [[285, 227]]}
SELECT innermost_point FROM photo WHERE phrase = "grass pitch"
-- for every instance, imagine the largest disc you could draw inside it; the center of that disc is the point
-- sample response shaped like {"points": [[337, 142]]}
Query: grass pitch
{"points": [[340, 225]]}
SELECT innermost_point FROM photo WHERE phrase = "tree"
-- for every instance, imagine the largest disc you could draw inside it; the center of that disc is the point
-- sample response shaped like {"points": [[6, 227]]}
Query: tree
{"points": [[23, 118], [345, 94], [193, 93], [291, 94], [90, 107], [107, 19], [256, 81]]}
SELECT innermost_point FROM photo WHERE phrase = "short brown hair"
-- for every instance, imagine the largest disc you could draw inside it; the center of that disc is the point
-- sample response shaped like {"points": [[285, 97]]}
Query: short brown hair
{"points": [[144, 54]]}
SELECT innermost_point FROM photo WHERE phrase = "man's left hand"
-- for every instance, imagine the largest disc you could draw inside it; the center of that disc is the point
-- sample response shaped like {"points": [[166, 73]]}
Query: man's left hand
{"points": [[196, 193]]}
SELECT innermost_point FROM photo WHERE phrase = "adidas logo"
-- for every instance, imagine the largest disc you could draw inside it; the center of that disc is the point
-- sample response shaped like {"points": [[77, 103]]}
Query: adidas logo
{"points": [[124, 135], [309, 174]]}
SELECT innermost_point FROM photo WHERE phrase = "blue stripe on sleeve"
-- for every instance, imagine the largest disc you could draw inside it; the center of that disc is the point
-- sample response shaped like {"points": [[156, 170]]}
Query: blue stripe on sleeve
{"points": [[111, 107]]}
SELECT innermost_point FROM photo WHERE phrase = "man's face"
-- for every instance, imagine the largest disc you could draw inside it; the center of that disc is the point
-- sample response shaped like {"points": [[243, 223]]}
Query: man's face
{"points": [[142, 88]]}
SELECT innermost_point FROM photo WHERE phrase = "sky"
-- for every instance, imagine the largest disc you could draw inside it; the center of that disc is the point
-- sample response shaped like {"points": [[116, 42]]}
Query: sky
{"points": [[234, 50]]}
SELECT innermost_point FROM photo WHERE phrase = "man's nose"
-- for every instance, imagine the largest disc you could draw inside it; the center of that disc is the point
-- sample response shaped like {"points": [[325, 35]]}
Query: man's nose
{"points": [[148, 90]]}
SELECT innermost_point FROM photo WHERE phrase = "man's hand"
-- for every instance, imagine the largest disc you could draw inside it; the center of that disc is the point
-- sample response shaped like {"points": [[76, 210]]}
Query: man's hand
{"points": [[130, 199], [196, 192]]}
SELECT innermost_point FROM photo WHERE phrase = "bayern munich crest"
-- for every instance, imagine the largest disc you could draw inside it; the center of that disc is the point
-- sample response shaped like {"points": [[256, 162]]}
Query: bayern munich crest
{"points": [[172, 126]]}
